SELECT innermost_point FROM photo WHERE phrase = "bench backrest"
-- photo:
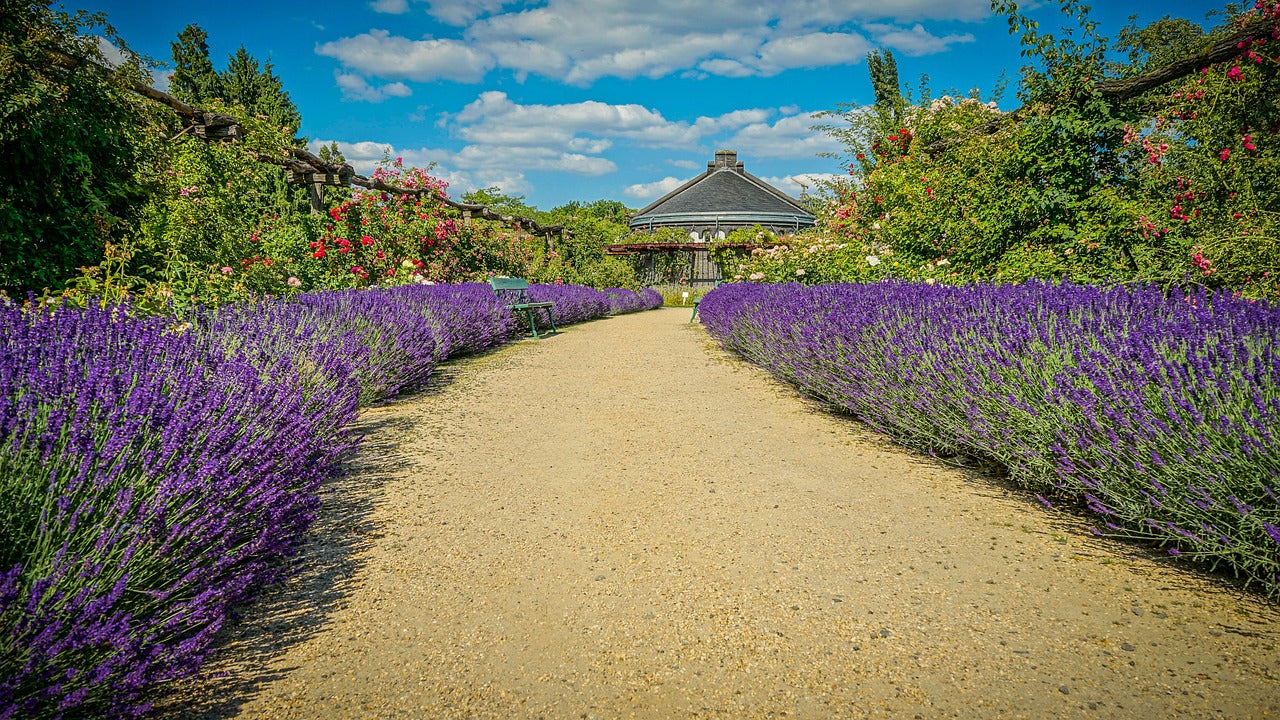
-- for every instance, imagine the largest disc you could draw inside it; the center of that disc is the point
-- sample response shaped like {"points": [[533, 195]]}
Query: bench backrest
{"points": [[506, 283], [511, 290]]}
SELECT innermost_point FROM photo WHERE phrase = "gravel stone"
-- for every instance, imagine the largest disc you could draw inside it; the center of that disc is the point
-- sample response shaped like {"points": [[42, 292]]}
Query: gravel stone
{"points": [[444, 576]]}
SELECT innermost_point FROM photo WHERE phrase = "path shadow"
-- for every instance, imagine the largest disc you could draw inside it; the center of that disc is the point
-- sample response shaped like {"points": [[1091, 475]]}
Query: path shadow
{"points": [[442, 376], [290, 612]]}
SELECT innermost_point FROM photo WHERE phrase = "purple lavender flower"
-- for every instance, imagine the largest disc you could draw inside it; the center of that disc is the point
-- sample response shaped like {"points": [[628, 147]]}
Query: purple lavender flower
{"points": [[156, 472], [1122, 398]]}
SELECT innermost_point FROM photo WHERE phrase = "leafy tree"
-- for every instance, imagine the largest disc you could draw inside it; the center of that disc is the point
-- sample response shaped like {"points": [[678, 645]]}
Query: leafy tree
{"points": [[610, 210], [258, 90], [72, 143], [331, 154], [1083, 182], [501, 203], [1159, 43], [194, 79], [261, 93]]}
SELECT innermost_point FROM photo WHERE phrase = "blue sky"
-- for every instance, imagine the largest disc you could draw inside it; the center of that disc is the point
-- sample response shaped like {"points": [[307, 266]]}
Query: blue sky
{"points": [[563, 100]]}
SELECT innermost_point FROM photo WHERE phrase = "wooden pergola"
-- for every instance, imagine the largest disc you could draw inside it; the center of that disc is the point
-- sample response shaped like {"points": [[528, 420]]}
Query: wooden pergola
{"points": [[705, 272]]}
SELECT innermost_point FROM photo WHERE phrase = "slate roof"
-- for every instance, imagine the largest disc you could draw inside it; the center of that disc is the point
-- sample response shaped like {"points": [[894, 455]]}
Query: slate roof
{"points": [[727, 195]]}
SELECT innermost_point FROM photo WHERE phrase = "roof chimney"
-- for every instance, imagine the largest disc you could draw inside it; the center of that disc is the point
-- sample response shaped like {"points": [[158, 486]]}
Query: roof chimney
{"points": [[726, 160]]}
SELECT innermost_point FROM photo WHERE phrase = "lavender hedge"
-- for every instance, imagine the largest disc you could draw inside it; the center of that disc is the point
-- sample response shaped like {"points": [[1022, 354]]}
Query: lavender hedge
{"points": [[652, 298], [156, 472], [622, 300], [1157, 413], [574, 303]]}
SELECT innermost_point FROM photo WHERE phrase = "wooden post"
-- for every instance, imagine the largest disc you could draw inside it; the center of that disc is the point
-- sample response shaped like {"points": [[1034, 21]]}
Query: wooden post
{"points": [[315, 188]]}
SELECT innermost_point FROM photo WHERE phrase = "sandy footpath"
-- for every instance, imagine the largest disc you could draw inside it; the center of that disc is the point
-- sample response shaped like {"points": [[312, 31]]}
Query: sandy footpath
{"points": [[624, 521]]}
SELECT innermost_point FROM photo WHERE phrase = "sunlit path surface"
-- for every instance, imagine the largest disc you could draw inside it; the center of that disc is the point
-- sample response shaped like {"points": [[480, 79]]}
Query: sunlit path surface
{"points": [[623, 521]]}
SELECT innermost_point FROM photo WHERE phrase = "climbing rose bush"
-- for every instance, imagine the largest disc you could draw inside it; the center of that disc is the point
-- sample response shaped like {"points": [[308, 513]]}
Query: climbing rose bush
{"points": [[1178, 186]]}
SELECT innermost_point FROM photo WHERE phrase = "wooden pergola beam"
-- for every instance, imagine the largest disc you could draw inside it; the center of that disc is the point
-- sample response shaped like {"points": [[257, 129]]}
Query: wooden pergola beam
{"points": [[638, 248], [303, 165], [1225, 49]]}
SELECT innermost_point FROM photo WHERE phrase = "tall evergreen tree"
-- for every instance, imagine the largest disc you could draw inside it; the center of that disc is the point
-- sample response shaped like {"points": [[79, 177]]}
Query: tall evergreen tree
{"points": [[884, 82], [241, 79], [260, 92], [275, 103], [194, 79], [258, 89]]}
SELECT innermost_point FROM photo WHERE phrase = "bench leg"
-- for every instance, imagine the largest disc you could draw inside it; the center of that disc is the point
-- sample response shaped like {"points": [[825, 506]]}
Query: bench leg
{"points": [[694, 316], [533, 327], [551, 319]]}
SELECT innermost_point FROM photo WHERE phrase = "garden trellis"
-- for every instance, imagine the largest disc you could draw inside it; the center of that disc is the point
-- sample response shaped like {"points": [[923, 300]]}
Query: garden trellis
{"points": [[304, 166]]}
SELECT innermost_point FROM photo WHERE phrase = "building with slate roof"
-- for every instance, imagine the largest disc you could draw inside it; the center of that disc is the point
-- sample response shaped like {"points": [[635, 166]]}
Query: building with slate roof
{"points": [[724, 198]]}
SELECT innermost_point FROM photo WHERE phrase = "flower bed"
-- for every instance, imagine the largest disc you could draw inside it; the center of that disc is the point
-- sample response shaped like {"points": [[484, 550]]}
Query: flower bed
{"points": [[1157, 413], [155, 472]]}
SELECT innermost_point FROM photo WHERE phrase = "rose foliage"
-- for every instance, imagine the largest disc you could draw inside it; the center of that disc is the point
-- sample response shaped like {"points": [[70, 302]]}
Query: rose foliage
{"points": [[1178, 185]]}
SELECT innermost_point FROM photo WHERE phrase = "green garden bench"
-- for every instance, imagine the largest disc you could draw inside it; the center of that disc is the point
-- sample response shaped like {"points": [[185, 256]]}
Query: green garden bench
{"points": [[514, 292]]}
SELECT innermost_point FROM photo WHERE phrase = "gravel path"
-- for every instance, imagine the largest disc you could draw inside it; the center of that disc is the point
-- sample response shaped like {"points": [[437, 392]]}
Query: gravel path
{"points": [[624, 521]]}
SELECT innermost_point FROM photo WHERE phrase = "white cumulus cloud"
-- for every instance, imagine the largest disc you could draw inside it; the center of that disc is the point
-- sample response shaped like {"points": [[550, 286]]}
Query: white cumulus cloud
{"points": [[494, 118], [355, 87], [496, 140], [916, 41], [579, 41], [381, 54], [791, 136], [653, 190], [390, 7]]}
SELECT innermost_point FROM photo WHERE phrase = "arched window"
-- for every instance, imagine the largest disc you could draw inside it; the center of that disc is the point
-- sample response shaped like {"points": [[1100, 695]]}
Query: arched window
{"points": [[694, 236]]}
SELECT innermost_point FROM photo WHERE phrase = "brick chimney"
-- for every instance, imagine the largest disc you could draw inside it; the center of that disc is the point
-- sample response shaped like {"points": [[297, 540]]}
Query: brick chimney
{"points": [[725, 160]]}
